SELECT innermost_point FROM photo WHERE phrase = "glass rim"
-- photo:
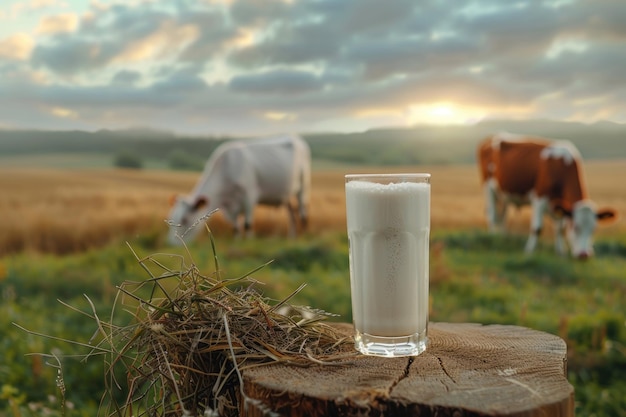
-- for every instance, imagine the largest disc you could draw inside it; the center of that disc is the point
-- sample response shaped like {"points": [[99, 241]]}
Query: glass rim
{"points": [[389, 175]]}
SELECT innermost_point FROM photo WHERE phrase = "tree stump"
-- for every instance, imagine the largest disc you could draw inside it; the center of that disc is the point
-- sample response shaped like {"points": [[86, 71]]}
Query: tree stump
{"points": [[467, 370]]}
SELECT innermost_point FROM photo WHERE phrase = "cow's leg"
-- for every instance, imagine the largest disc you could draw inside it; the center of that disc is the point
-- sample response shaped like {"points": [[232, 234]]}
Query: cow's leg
{"points": [[292, 219], [501, 208], [490, 207], [494, 206], [559, 238], [247, 217], [538, 205], [302, 209], [233, 218]]}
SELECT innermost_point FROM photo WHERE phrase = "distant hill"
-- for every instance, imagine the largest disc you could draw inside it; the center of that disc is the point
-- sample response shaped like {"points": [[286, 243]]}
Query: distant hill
{"points": [[457, 144], [385, 146]]}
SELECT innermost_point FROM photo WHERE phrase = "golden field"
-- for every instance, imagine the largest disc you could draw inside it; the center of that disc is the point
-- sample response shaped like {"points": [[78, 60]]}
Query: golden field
{"points": [[60, 210]]}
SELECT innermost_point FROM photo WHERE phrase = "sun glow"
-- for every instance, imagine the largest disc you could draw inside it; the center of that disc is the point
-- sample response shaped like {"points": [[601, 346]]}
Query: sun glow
{"points": [[64, 113], [442, 113], [279, 116]]}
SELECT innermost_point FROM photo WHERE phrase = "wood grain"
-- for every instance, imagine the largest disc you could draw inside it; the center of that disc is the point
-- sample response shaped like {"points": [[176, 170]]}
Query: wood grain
{"points": [[467, 370]]}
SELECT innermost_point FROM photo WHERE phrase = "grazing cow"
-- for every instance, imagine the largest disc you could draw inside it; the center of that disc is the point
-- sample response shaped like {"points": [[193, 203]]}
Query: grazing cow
{"points": [[241, 174], [546, 174]]}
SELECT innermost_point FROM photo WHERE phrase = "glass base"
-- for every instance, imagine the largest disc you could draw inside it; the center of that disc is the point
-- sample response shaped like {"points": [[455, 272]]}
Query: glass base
{"points": [[391, 347]]}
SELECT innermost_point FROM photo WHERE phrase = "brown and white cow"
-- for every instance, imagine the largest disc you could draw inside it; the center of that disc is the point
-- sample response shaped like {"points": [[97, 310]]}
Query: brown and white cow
{"points": [[547, 174]]}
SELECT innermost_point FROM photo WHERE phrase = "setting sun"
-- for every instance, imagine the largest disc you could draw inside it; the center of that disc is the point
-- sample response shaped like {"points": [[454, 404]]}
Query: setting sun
{"points": [[442, 113]]}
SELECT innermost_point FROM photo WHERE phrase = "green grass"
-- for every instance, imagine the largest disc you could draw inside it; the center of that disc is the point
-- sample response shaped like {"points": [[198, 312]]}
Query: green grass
{"points": [[475, 277]]}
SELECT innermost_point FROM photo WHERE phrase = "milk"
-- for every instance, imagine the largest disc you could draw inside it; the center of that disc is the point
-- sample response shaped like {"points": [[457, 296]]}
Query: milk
{"points": [[388, 229]]}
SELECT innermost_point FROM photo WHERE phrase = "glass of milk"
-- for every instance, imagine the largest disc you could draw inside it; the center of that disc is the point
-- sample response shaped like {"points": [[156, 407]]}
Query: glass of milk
{"points": [[388, 217]]}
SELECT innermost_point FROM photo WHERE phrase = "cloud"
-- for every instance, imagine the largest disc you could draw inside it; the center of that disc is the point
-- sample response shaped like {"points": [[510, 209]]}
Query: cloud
{"points": [[513, 29], [383, 59], [597, 70], [258, 13], [276, 82], [318, 32], [69, 55], [115, 33], [262, 65], [67, 22], [16, 47], [214, 35], [600, 20], [164, 41], [125, 77], [307, 43], [181, 83], [20, 7]]}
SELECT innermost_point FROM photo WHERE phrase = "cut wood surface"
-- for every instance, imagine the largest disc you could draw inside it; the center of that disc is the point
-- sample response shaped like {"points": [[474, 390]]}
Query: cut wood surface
{"points": [[467, 370]]}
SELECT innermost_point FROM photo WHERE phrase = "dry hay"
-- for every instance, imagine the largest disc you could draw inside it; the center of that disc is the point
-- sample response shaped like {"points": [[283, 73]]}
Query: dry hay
{"points": [[186, 349]]}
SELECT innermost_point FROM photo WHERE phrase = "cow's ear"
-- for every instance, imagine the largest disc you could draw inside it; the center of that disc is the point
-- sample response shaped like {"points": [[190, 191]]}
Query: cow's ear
{"points": [[201, 201], [606, 214]]}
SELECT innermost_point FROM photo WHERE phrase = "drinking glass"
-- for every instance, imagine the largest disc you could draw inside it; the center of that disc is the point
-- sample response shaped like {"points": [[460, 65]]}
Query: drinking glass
{"points": [[388, 220]]}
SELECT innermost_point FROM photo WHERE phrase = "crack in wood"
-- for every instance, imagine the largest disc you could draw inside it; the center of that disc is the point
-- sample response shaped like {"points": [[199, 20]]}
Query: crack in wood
{"points": [[445, 371], [407, 368], [405, 374]]}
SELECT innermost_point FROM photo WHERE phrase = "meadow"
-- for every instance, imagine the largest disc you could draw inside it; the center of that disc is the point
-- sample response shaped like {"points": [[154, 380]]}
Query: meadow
{"points": [[65, 235]]}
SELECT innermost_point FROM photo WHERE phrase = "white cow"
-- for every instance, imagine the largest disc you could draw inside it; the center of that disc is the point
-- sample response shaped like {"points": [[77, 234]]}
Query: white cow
{"points": [[241, 174]]}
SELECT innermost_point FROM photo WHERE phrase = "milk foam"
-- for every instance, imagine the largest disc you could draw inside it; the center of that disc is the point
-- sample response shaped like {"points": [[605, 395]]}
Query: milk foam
{"points": [[389, 228]]}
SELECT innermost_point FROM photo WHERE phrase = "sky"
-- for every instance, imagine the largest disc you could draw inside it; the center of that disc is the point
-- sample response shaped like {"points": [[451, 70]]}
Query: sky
{"points": [[257, 67]]}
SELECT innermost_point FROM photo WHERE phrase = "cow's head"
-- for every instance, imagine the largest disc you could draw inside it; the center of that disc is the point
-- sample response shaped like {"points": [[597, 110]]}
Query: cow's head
{"points": [[185, 218], [582, 222]]}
